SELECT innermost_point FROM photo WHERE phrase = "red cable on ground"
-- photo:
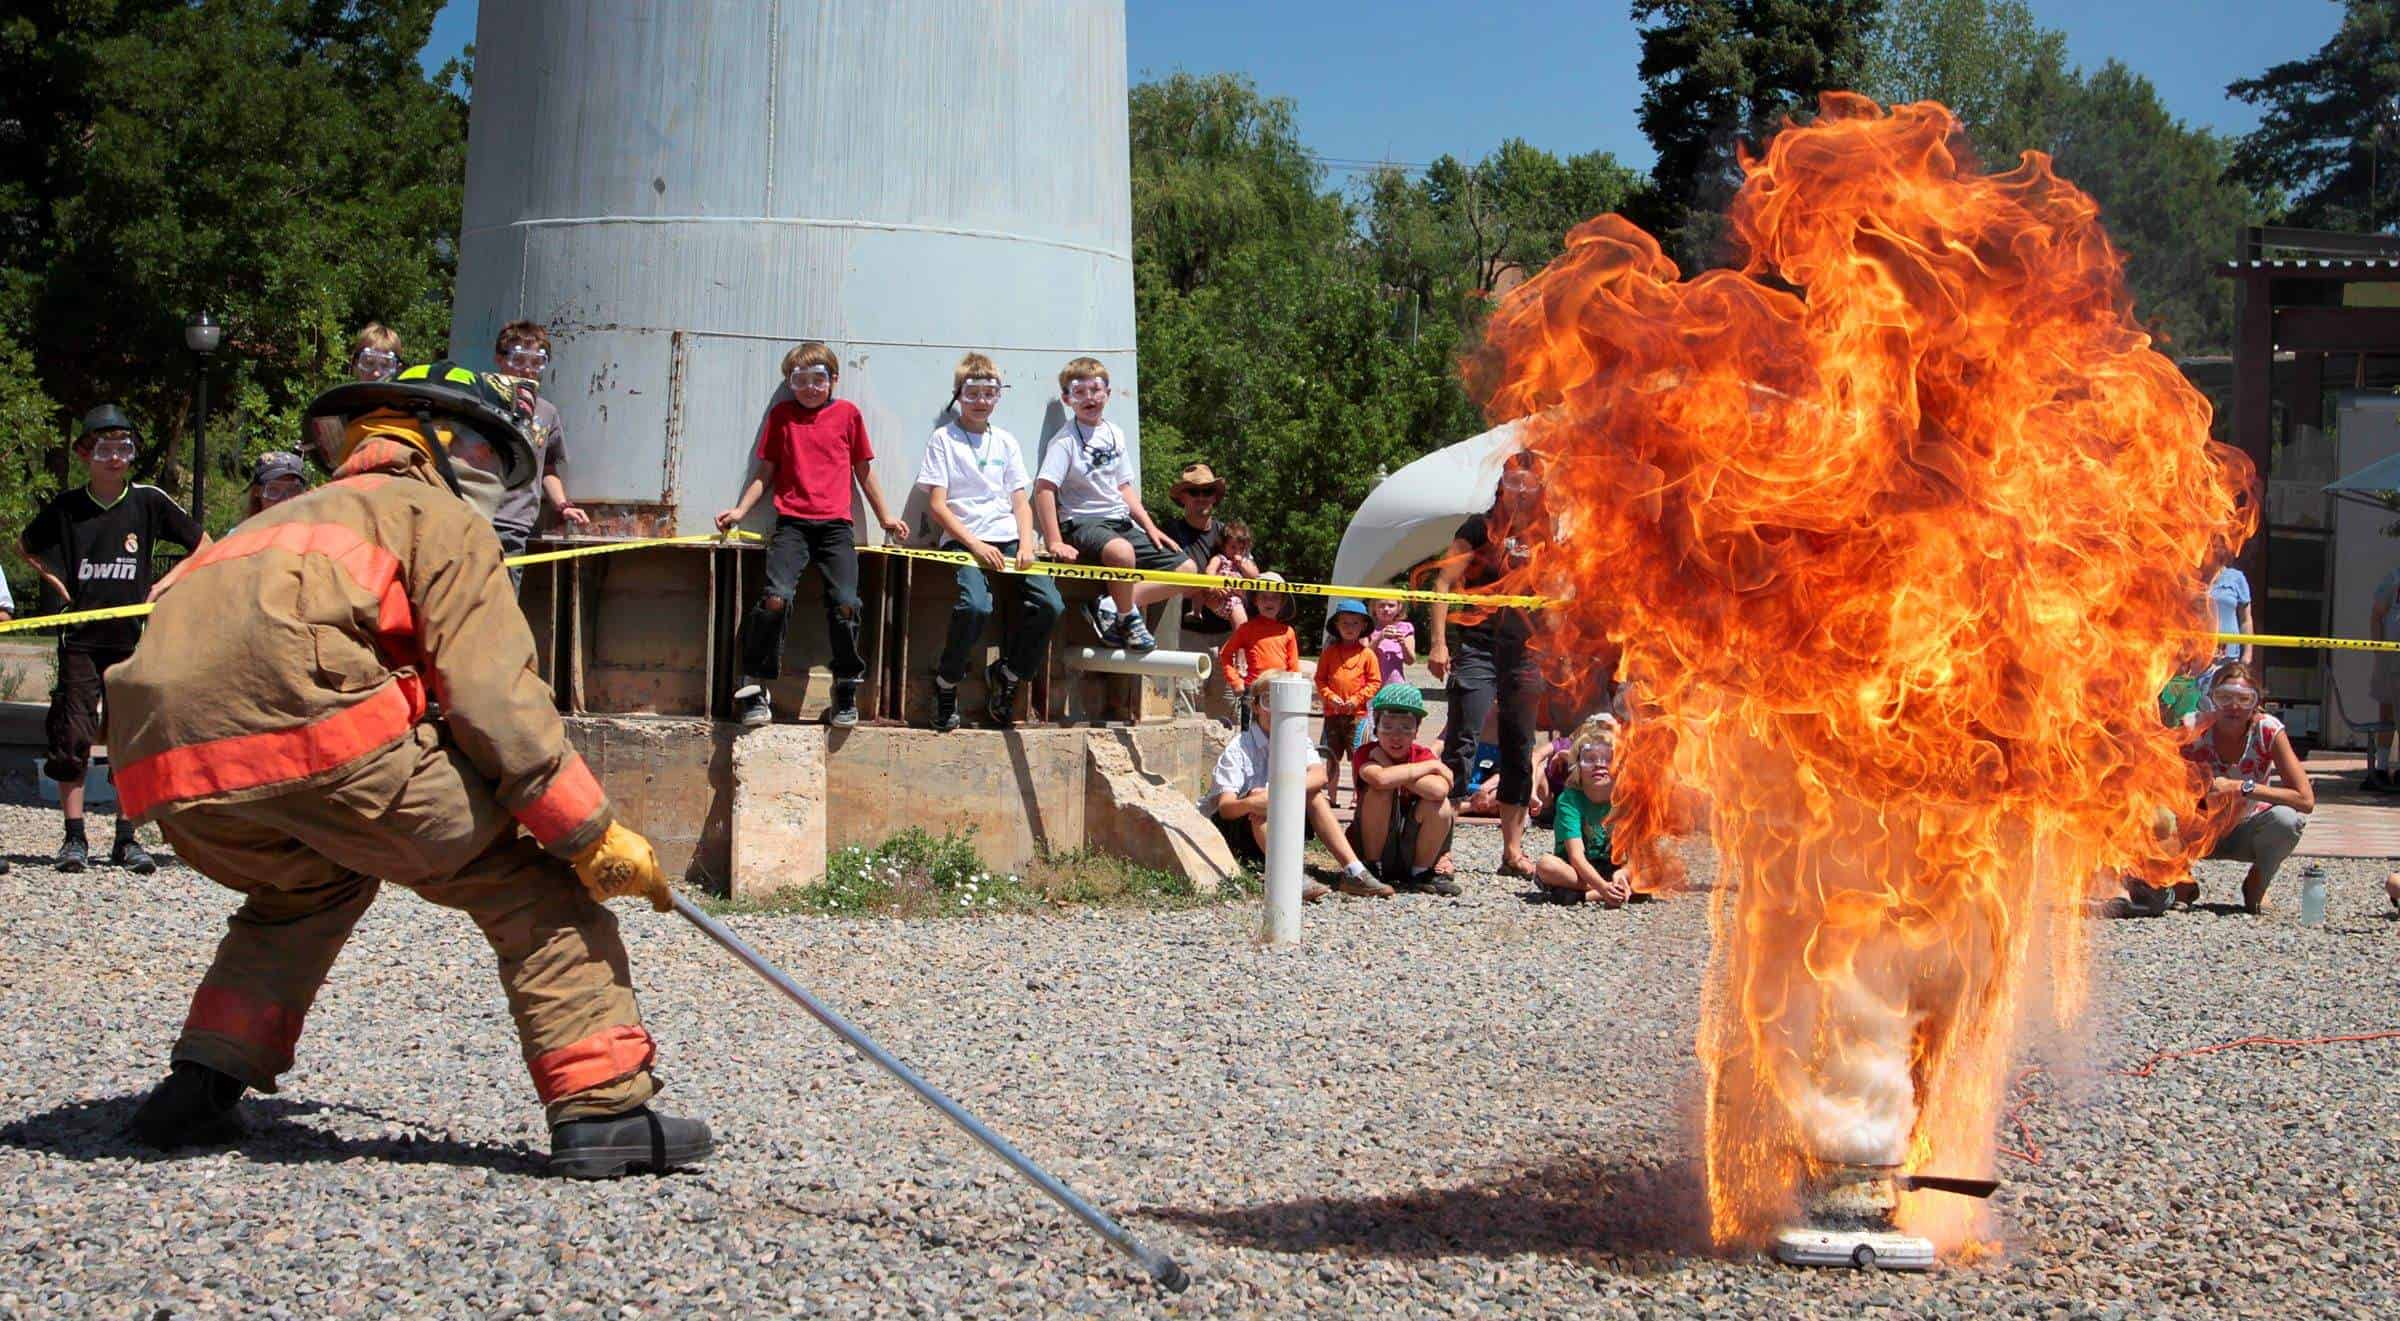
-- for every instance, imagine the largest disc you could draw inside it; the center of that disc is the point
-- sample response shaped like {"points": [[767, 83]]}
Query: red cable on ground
{"points": [[2031, 1152]]}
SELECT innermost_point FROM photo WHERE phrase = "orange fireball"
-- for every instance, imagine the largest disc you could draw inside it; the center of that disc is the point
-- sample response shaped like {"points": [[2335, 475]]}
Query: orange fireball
{"points": [[1900, 527]]}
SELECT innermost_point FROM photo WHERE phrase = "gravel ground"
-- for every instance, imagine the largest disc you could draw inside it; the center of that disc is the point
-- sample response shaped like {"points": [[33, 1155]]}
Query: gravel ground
{"points": [[1433, 1107]]}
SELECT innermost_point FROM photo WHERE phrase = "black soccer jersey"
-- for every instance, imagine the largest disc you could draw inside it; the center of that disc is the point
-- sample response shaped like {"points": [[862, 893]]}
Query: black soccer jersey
{"points": [[103, 554]]}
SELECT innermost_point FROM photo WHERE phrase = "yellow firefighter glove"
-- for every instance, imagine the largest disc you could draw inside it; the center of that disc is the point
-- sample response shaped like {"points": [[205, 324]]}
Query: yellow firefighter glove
{"points": [[623, 863]]}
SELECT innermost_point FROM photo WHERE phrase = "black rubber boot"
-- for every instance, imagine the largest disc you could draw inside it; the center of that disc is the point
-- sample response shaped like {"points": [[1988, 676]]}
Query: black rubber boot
{"points": [[610, 1146], [195, 1106]]}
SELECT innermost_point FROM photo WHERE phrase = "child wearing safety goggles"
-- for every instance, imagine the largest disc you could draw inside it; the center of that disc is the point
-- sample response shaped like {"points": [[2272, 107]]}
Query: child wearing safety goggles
{"points": [[93, 546], [523, 351], [1091, 511], [811, 449], [1577, 870], [375, 354], [973, 476]]}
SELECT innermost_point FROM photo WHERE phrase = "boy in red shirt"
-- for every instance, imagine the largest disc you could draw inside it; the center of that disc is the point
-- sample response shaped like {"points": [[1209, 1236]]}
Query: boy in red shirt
{"points": [[811, 447], [1404, 809]]}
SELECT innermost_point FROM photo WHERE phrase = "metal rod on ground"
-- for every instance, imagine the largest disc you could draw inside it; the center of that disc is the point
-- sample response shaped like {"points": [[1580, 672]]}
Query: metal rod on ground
{"points": [[1161, 1267], [1287, 805]]}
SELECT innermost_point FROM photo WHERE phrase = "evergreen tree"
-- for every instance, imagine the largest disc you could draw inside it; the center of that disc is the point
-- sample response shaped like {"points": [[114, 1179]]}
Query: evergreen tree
{"points": [[2330, 134], [1720, 75]]}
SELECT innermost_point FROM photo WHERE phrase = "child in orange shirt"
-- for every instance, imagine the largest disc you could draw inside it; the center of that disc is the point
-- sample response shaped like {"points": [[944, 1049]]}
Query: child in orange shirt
{"points": [[1265, 641], [1348, 675]]}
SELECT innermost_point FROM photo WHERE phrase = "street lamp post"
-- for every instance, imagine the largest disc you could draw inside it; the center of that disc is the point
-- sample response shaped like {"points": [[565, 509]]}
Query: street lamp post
{"points": [[201, 335]]}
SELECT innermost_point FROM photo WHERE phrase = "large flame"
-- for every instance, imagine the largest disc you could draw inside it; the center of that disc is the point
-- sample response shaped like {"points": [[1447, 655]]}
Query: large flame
{"points": [[1900, 530]]}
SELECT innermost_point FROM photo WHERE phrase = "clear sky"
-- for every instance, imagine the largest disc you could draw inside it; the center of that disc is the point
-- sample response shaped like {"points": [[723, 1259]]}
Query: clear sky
{"points": [[1406, 80]]}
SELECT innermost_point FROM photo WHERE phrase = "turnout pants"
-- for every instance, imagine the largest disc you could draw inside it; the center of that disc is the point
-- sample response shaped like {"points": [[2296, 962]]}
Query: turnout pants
{"points": [[308, 863]]}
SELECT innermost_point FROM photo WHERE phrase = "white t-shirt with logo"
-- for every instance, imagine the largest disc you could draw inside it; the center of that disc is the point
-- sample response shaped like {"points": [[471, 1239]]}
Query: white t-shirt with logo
{"points": [[1087, 467], [978, 474]]}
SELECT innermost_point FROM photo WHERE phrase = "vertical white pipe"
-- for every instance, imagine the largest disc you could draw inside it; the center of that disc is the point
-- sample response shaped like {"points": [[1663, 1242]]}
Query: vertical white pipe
{"points": [[1287, 805]]}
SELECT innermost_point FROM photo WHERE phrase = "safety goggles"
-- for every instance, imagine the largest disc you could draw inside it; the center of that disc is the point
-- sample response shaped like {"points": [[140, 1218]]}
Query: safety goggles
{"points": [[528, 361], [1086, 391], [376, 364], [804, 377], [277, 489], [1596, 759], [1520, 483], [2236, 696], [980, 390], [114, 450]]}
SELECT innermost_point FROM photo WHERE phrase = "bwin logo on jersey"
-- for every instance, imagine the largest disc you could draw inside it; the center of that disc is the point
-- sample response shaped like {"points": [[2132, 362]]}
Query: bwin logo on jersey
{"points": [[121, 571]]}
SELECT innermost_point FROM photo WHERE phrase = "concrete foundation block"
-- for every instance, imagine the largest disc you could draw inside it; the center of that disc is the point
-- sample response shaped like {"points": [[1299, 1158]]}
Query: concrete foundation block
{"points": [[1145, 819], [779, 809], [669, 779]]}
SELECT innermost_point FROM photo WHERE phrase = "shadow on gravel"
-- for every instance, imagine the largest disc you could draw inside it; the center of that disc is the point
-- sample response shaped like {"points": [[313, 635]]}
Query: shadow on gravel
{"points": [[91, 1130], [1583, 1208]]}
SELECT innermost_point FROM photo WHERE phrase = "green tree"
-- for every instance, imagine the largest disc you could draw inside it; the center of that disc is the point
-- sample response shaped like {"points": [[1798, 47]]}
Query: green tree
{"points": [[2163, 195], [1985, 59], [2160, 183], [1270, 346], [2330, 134], [1216, 165], [284, 164], [29, 425], [1718, 74]]}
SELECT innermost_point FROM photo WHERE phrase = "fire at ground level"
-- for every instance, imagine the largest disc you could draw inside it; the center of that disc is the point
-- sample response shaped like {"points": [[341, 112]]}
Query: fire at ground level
{"points": [[1429, 1102]]}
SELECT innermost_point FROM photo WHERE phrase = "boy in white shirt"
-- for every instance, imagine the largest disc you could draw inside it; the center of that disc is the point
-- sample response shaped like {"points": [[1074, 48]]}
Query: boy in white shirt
{"points": [[1237, 803], [1092, 510], [974, 480]]}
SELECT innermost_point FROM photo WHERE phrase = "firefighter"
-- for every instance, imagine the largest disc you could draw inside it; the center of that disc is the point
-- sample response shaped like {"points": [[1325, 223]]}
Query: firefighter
{"points": [[342, 693]]}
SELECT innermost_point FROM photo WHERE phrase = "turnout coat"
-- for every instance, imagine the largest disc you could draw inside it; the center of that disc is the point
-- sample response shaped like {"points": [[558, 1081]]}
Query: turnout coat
{"points": [[322, 632]]}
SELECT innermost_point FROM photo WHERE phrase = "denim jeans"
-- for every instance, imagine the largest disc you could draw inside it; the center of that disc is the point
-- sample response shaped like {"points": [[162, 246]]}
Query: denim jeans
{"points": [[1033, 608], [831, 545]]}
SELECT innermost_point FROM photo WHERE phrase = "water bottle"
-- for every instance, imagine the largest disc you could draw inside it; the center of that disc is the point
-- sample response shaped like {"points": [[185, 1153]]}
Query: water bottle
{"points": [[2312, 895]]}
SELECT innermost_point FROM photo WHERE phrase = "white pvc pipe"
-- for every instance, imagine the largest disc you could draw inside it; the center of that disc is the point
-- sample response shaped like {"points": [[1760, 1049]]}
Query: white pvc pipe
{"points": [[1287, 805], [1149, 664]]}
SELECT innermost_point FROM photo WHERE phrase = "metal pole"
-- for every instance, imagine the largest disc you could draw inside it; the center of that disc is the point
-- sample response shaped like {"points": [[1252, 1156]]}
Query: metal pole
{"points": [[1287, 805], [200, 448], [1161, 1267]]}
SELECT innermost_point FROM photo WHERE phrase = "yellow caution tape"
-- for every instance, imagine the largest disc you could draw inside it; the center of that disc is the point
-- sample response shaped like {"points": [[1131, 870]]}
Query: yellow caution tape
{"points": [[1214, 582], [2334, 644], [74, 617], [1112, 574], [612, 547]]}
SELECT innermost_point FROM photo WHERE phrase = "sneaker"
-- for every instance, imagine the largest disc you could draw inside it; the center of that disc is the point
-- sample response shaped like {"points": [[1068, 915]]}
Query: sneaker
{"points": [[1135, 632], [1359, 885], [609, 1146], [73, 856], [945, 707], [750, 704], [1000, 700], [1101, 613], [844, 712], [195, 1106], [129, 854], [1313, 890]]}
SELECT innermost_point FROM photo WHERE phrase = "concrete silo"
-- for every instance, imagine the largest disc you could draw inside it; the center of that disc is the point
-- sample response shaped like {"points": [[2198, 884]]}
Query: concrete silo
{"points": [[683, 191]]}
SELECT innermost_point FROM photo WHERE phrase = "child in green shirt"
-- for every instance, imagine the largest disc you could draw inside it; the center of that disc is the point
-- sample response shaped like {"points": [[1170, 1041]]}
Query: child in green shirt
{"points": [[1578, 869]]}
